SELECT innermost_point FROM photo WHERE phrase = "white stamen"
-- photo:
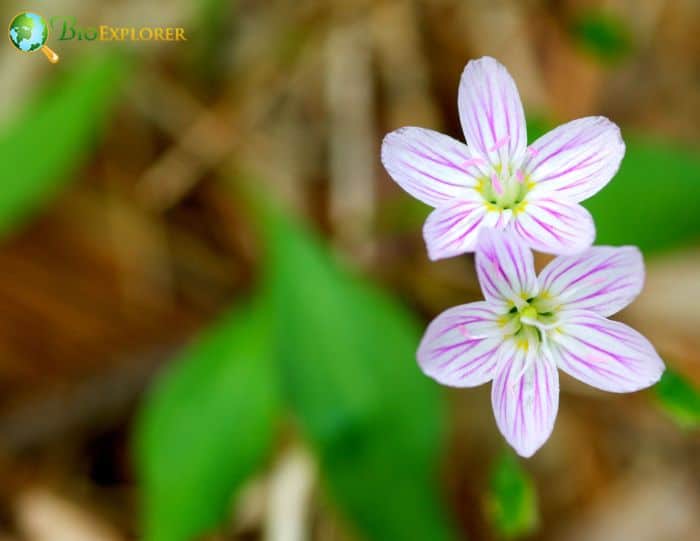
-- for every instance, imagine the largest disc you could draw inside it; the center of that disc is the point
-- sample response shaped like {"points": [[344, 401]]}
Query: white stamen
{"points": [[529, 358], [504, 218], [537, 323]]}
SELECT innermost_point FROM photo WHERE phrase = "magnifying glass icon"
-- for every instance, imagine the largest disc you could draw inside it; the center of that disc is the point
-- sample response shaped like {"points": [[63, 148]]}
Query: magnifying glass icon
{"points": [[29, 33]]}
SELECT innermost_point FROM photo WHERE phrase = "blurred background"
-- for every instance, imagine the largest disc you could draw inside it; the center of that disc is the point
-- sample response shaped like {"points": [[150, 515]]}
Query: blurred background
{"points": [[212, 292]]}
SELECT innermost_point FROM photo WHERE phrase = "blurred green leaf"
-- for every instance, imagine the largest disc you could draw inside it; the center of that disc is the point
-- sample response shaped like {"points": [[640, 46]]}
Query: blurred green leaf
{"points": [[347, 355], [604, 35], [652, 201], [48, 139], [206, 426], [512, 500], [401, 214], [679, 398], [208, 51]]}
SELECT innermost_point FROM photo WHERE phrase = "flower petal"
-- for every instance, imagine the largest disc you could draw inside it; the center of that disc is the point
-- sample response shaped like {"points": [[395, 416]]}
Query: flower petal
{"points": [[555, 226], [432, 167], [603, 353], [603, 279], [576, 159], [459, 346], [491, 112], [505, 268], [453, 229], [525, 398]]}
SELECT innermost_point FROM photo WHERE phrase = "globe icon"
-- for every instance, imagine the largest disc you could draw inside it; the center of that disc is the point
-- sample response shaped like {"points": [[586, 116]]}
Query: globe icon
{"points": [[29, 32]]}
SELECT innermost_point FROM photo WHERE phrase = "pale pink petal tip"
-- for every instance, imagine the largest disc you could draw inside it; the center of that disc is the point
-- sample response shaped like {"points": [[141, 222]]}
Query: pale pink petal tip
{"points": [[576, 159], [606, 354], [453, 229], [459, 347], [490, 111], [428, 165], [525, 400], [603, 279]]}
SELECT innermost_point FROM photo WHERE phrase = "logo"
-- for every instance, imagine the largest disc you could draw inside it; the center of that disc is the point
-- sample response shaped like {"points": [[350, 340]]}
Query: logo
{"points": [[29, 33], [67, 29]]}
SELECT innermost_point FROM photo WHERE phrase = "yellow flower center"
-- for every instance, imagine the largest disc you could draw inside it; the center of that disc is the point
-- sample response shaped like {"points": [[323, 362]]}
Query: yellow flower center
{"points": [[505, 189]]}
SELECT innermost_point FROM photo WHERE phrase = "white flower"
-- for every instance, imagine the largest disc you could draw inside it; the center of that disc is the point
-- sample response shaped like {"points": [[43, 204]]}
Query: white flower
{"points": [[495, 181], [530, 325]]}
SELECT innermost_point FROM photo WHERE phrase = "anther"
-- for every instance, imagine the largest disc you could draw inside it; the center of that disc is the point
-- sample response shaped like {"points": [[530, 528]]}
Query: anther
{"points": [[497, 186], [498, 144], [472, 161]]}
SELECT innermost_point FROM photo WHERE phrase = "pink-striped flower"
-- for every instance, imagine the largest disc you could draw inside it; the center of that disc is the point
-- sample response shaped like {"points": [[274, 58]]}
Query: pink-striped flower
{"points": [[495, 180], [530, 325]]}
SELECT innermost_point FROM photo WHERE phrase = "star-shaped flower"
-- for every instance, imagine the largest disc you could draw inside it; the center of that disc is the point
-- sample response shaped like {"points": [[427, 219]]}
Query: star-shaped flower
{"points": [[530, 325], [495, 180]]}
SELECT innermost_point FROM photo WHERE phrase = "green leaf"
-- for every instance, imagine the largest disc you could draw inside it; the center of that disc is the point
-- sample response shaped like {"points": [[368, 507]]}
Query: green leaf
{"points": [[679, 398], [44, 143], [604, 35], [649, 203], [347, 354], [206, 426], [512, 500]]}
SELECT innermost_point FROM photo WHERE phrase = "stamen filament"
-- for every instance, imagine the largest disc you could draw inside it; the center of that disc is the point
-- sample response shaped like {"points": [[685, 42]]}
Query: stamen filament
{"points": [[473, 161], [497, 186], [529, 358], [498, 144]]}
